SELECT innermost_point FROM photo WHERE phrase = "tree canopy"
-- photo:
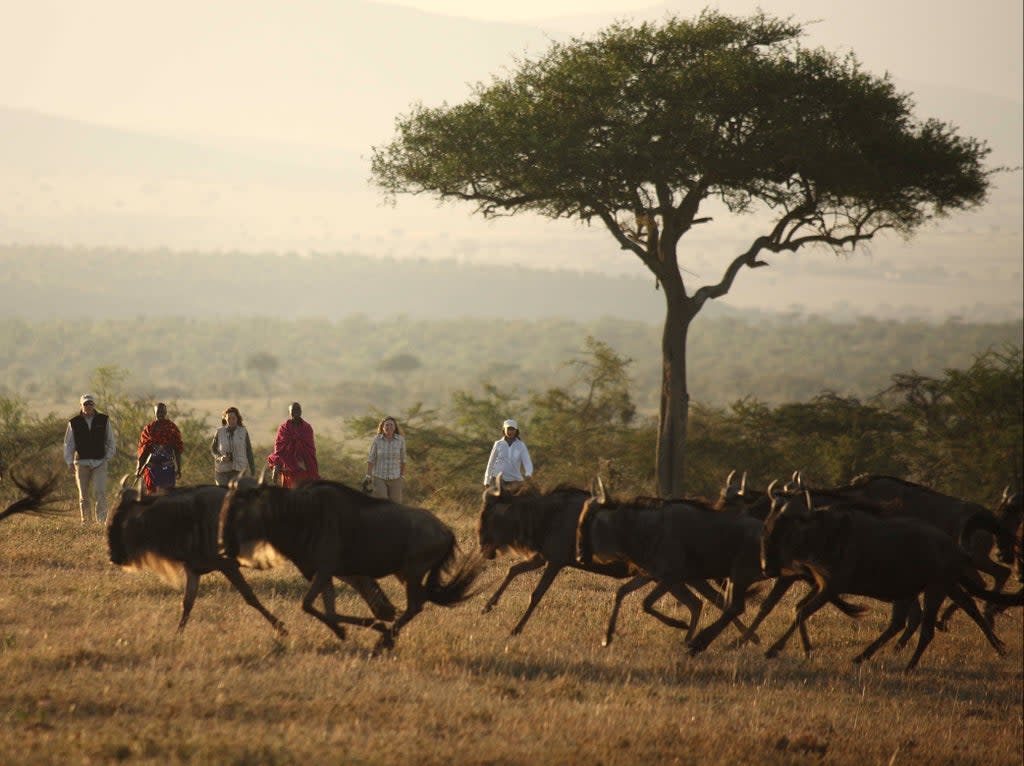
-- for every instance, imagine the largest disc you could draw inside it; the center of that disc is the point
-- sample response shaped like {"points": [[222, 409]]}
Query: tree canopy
{"points": [[644, 127]]}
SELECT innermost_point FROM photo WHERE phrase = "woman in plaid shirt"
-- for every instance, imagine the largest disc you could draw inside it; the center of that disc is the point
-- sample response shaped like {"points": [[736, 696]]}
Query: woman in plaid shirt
{"points": [[385, 463]]}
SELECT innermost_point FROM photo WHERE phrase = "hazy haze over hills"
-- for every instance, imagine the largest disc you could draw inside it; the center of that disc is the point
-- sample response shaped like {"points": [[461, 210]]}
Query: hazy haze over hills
{"points": [[247, 126]]}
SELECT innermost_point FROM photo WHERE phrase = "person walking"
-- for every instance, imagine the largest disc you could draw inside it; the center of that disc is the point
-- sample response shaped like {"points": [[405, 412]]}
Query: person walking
{"points": [[294, 455], [509, 457], [385, 462], [89, 444], [160, 448], [231, 449]]}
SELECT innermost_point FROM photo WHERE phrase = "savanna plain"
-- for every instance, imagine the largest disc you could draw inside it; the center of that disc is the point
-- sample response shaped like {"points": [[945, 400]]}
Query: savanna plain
{"points": [[94, 672]]}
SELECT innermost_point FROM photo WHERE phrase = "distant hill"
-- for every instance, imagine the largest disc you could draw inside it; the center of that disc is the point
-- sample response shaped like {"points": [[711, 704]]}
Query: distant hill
{"points": [[98, 284]]}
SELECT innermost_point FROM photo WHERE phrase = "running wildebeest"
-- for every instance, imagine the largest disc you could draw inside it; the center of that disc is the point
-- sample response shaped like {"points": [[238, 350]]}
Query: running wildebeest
{"points": [[673, 541], [542, 528], [328, 529], [1009, 515], [894, 560], [174, 533], [900, 498], [35, 495], [890, 497]]}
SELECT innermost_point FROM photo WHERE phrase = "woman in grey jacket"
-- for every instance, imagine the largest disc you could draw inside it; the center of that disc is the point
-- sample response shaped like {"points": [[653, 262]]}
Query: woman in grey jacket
{"points": [[231, 449]]}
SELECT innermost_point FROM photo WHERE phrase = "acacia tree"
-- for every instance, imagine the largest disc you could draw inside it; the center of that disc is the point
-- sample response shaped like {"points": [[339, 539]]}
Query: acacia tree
{"points": [[644, 128]]}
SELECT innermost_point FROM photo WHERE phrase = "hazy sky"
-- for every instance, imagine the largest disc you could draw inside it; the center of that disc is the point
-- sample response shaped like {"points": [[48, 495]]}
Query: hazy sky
{"points": [[523, 10], [269, 84]]}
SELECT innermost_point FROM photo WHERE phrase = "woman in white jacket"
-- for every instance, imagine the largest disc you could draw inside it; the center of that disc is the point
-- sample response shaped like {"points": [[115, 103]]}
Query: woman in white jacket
{"points": [[231, 449], [509, 457]]}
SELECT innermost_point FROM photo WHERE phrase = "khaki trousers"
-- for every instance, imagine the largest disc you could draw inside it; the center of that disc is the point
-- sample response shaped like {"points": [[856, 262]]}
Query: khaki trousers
{"points": [[92, 482], [388, 489]]}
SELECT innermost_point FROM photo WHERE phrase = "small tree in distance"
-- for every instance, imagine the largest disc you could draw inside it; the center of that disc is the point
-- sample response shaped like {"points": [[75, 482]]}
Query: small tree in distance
{"points": [[264, 364], [644, 127]]}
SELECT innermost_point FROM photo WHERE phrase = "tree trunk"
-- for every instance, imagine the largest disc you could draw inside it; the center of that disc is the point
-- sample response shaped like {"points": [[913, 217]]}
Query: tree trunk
{"points": [[674, 415]]}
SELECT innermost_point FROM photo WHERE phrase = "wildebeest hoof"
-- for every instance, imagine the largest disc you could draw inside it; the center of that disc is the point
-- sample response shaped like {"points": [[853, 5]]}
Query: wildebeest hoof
{"points": [[385, 643]]}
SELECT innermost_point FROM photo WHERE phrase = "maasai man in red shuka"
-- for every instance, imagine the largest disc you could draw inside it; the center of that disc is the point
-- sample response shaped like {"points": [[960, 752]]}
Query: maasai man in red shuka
{"points": [[160, 448], [294, 455]]}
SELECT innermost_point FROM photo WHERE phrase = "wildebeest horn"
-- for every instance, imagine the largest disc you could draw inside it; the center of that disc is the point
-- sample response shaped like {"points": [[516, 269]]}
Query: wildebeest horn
{"points": [[807, 499], [1006, 493], [602, 496], [263, 476], [125, 480], [497, 483], [729, 478], [773, 497]]}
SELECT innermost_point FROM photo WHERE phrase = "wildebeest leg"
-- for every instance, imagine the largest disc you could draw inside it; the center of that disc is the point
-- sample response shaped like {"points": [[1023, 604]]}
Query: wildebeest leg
{"points": [[231, 570], [373, 595], [913, 623], [999, 574], [550, 572], [415, 597], [685, 597], [735, 607], [897, 621], [328, 596], [965, 602], [933, 597], [624, 590], [513, 572], [715, 596], [321, 583], [808, 606], [191, 589], [778, 590]]}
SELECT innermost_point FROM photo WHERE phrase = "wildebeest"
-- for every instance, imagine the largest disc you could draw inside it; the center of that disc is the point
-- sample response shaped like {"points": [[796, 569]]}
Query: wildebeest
{"points": [[689, 540], [174, 535], [676, 541], [856, 552], [1009, 515], [891, 497], [541, 526], [906, 499], [35, 496], [328, 529]]}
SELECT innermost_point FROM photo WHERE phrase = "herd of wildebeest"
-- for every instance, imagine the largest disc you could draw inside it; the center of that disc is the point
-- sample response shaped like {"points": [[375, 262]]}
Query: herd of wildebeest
{"points": [[879, 537]]}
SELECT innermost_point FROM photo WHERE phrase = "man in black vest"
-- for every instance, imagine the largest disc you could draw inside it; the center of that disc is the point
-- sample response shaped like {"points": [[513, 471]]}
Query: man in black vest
{"points": [[88, 446]]}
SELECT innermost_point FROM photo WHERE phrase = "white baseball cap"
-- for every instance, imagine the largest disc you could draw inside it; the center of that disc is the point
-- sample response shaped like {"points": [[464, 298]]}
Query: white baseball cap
{"points": [[87, 398], [510, 424]]}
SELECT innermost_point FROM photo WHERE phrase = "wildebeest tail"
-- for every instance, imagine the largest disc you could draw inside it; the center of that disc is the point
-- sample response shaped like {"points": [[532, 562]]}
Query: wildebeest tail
{"points": [[844, 606], [992, 597], [461, 571], [36, 494]]}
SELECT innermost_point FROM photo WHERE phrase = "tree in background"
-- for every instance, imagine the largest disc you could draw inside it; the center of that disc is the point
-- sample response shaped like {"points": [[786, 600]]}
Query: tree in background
{"points": [[647, 128], [264, 364], [968, 425]]}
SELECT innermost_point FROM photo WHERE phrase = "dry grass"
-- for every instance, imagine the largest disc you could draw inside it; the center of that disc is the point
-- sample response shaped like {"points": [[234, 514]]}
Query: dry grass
{"points": [[93, 673]]}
